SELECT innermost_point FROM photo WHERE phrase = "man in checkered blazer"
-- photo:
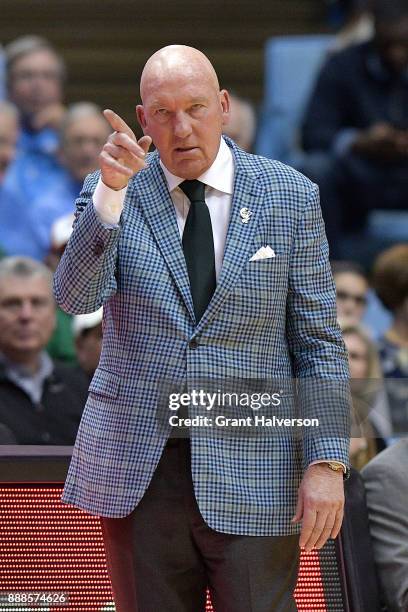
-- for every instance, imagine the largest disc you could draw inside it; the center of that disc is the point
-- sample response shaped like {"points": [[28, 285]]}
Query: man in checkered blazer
{"points": [[221, 508]]}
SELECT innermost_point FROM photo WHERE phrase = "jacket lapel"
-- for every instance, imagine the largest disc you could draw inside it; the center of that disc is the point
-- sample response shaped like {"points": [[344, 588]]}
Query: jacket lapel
{"points": [[154, 199]]}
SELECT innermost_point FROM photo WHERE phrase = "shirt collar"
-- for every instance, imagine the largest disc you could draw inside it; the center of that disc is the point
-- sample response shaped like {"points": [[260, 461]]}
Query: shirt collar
{"points": [[220, 175], [44, 371]]}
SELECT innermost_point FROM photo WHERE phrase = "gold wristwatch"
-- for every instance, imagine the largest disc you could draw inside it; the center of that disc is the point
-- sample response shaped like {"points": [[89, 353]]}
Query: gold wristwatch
{"points": [[336, 466]]}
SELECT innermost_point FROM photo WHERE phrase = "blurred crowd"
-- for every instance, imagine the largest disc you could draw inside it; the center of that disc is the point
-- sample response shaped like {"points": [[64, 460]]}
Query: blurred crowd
{"points": [[354, 139], [46, 150]]}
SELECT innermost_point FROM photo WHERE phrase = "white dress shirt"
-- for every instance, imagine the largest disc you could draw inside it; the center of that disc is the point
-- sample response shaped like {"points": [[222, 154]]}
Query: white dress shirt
{"points": [[219, 182]]}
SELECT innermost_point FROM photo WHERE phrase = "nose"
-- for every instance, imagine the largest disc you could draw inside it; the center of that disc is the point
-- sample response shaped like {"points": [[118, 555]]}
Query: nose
{"points": [[182, 125], [26, 310]]}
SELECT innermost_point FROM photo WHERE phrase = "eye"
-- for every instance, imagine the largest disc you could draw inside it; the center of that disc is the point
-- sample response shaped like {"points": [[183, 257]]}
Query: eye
{"points": [[162, 112], [197, 106]]}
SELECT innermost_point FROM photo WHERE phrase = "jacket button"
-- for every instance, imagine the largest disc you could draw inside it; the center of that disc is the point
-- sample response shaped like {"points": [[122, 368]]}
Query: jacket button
{"points": [[193, 344]]}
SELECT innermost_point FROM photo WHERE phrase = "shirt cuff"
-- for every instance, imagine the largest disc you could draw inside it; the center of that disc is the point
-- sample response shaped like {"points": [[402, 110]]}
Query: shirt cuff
{"points": [[327, 461], [108, 204]]}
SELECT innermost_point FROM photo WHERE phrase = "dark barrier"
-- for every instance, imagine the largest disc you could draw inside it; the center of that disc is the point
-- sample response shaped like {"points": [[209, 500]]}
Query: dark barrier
{"points": [[52, 556]]}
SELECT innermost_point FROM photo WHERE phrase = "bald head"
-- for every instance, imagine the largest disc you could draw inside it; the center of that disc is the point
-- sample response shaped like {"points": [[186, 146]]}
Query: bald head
{"points": [[183, 109], [174, 60]]}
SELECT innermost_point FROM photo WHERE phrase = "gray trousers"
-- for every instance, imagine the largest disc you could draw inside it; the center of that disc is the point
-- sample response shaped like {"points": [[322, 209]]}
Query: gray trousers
{"points": [[163, 556]]}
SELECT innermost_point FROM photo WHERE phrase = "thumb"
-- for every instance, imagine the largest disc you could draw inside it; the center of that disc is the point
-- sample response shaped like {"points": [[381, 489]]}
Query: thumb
{"points": [[145, 142], [299, 509]]}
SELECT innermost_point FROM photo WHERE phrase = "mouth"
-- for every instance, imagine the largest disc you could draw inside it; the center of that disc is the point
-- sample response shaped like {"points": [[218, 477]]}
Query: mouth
{"points": [[25, 336], [185, 149]]}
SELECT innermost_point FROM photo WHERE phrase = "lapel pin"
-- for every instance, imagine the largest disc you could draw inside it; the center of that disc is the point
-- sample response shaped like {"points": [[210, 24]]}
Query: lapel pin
{"points": [[245, 214]]}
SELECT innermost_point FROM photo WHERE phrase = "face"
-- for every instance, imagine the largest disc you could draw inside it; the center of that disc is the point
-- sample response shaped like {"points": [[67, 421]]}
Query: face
{"points": [[8, 141], [82, 143], [35, 82], [392, 42], [357, 355], [88, 349], [351, 290], [184, 114], [27, 316]]}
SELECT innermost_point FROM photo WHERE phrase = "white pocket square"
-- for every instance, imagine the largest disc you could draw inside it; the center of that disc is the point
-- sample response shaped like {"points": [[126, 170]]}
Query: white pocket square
{"points": [[263, 253]]}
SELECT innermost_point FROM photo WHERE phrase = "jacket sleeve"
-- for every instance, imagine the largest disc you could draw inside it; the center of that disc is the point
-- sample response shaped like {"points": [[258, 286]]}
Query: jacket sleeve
{"points": [[317, 350], [85, 277]]}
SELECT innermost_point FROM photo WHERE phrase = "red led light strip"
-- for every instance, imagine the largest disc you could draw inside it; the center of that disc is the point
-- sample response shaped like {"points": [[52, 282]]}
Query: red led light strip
{"points": [[48, 546]]}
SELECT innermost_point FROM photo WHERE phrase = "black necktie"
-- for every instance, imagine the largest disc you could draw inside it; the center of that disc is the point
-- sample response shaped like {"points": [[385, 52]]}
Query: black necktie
{"points": [[198, 247]]}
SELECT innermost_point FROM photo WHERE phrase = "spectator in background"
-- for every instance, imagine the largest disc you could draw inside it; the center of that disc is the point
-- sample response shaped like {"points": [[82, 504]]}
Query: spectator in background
{"points": [[351, 290], [370, 418], [40, 401], [84, 131], [242, 123], [87, 330], [8, 142], [356, 125], [35, 76], [390, 281], [386, 484]]}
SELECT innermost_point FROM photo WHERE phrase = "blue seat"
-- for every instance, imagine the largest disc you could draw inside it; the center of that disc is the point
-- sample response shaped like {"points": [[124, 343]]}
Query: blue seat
{"points": [[291, 66]]}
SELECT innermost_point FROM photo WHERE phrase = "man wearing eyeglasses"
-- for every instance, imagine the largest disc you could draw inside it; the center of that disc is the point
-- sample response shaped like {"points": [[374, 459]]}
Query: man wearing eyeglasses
{"points": [[35, 75]]}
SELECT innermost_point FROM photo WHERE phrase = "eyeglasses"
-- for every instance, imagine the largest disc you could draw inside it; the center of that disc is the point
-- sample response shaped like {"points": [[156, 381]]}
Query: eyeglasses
{"points": [[361, 300]]}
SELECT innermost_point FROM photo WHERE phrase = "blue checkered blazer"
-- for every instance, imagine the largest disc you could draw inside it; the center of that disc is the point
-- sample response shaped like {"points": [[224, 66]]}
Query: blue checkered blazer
{"points": [[270, 318]]}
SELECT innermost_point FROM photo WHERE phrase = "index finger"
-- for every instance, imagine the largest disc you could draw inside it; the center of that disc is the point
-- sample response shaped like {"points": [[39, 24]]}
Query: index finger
{"points": [[117, 123]]}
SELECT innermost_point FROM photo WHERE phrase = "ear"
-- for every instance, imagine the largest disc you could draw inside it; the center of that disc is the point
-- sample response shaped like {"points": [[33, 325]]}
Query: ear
{"points": [[140, 114], [225, 101]]}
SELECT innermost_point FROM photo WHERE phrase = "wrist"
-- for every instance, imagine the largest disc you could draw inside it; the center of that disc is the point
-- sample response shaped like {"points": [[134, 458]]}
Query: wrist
{"points": [[114, 187], [108, 203], [336, 467]]}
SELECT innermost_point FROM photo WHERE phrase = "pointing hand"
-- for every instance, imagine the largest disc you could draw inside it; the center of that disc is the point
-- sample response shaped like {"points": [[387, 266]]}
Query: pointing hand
{"points": [[123, 155]]}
